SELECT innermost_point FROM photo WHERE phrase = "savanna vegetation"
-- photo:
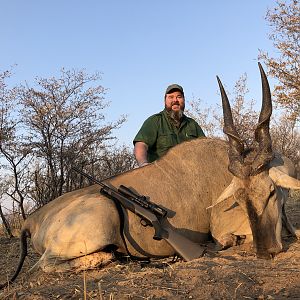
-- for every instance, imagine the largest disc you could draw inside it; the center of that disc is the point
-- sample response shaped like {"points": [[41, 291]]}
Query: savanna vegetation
{"points": [[58, 122]]}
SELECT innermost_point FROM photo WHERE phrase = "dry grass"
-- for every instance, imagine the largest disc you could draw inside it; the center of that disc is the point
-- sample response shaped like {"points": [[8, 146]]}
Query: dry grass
{"points": [[235, 274]]}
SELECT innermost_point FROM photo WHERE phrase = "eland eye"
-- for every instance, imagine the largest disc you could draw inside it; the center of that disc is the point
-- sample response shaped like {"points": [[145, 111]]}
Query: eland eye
{"points": [[272, 192]]}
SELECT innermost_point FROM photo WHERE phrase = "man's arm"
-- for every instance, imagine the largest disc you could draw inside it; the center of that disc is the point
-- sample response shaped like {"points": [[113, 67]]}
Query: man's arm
{"points": [[140, 152]]}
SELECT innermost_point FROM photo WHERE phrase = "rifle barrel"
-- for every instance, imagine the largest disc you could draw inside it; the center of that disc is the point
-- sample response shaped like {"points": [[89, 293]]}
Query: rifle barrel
{"points": [[89, 177]]}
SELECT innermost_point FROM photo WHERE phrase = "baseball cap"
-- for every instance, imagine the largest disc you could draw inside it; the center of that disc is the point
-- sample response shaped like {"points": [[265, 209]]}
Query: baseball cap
{"points": [[174, 87]]}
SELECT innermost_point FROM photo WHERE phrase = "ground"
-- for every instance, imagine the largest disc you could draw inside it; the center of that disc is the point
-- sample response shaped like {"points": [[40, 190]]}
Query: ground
{"points": [[231, 274]]}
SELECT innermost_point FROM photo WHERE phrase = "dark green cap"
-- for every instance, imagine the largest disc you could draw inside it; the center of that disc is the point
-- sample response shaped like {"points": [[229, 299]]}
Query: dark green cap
{"points": [[174, 87]]}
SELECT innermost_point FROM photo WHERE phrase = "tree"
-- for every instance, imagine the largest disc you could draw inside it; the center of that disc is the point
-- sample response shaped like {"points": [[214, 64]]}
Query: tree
{"points": [[6, 225], [244, 115], [47, 128], [206, 117], [286, 138], [116, 161], [65, 125], [12, 148], [284, 20], [8, 121]]}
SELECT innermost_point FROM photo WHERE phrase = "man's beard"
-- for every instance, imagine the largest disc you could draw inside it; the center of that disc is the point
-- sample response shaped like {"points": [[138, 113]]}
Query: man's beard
{"points": [[175, 116]]}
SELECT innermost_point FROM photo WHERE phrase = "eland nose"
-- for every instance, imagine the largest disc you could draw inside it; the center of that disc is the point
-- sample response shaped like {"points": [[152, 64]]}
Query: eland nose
{"points": [[275, 250], [270, 252]]}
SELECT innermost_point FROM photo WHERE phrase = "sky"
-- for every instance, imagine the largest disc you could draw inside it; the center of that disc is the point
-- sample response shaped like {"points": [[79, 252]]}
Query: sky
{"points": [[139, 47]]}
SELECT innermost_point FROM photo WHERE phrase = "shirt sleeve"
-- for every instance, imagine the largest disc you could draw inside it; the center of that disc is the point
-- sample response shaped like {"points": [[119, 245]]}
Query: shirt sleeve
{"points": [[200, 132], [148, 132]]}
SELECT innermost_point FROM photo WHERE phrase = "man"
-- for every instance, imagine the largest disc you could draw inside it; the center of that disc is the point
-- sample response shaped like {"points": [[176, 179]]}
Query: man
{"points": [[166, 129]]}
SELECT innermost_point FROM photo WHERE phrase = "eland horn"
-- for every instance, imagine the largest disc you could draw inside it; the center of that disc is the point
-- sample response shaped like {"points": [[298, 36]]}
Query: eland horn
{"points": [[262, 131], [262, 134], [236, 145]]}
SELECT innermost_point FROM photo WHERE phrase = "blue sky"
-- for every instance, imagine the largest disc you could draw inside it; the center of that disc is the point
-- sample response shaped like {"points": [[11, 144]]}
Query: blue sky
{"points": [[139, 47]]}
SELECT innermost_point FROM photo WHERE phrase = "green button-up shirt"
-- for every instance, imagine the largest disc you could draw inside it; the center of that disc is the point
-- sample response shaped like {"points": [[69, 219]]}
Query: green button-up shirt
{"points": [[160, 134]]}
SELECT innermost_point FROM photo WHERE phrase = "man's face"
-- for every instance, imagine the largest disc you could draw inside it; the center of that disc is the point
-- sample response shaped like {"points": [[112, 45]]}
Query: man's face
{"points": [[174, 101]]}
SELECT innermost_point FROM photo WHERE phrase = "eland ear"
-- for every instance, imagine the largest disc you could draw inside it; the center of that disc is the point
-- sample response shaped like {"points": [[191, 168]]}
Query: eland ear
{"points": [[284, 180], [227, 193]]}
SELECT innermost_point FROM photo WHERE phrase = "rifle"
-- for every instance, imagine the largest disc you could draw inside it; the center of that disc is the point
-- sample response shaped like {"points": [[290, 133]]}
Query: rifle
{"points": [[151, 214]]}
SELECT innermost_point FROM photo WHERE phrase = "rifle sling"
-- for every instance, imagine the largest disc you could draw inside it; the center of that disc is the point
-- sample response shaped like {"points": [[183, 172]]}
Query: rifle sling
{"points": [[123, 233]]}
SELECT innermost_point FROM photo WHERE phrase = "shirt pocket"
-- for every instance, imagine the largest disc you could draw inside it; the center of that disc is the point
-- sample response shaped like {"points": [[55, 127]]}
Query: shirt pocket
{"points": [[166, 141], [190, 134]]}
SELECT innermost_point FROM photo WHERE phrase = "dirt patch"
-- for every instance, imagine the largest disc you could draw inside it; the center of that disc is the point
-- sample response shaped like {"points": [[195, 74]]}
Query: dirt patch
{"points": [[232, 274]]}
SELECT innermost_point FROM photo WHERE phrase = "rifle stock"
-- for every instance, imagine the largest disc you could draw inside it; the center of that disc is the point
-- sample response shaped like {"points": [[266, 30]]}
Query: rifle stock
{"points": [[186, 248]]}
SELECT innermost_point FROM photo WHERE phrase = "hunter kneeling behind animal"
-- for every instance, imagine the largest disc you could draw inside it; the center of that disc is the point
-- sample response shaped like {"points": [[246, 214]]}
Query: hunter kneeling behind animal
{"points": [[241, 197], [166, 129]]}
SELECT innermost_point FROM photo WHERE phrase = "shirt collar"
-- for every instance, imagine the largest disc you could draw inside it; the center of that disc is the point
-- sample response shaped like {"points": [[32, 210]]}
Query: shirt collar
{"points": [[183, 119]]}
